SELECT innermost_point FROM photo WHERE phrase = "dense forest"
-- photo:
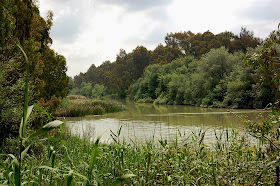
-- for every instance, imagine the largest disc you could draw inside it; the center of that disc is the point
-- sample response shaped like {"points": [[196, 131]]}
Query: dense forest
{"points": [[21, 23], [206, 70]]}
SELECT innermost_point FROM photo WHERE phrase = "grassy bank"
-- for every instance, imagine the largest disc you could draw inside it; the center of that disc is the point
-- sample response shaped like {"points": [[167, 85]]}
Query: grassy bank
{"points": [[231, 160], [76, 106]]}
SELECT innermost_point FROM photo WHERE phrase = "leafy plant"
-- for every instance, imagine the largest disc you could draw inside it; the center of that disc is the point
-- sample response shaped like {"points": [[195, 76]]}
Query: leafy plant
{"points": [[17, 161]]}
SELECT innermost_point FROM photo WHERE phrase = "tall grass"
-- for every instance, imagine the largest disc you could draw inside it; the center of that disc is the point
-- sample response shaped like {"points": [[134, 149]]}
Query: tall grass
{"points": [[81, 107], [231, 160]]}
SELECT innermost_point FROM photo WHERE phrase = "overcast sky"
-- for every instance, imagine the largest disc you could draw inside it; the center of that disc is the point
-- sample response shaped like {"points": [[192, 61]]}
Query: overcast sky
{"points": [[92, 31]]}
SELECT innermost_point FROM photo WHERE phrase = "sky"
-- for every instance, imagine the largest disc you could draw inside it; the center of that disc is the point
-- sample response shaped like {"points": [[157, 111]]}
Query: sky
{"points": [[90, 32]]}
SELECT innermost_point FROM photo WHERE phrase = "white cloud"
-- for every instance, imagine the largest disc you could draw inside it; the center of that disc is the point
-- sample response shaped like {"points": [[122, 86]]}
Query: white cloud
{"points": [[88, 31]]}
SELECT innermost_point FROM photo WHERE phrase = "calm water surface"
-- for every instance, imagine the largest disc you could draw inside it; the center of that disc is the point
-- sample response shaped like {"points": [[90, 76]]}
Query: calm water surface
{"points": [[143, 122]]}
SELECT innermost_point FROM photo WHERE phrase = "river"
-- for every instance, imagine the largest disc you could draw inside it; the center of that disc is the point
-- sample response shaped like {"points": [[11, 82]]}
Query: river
{"points": [[142, 122]]}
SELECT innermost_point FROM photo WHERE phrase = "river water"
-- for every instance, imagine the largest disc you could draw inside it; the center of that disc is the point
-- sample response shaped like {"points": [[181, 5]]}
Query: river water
{"points": [[142, 122]]}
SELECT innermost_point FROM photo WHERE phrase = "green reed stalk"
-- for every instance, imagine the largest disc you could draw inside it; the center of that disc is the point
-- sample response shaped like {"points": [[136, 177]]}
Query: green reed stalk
{"points": [[24, 120], [17, 163], [92, 160]]}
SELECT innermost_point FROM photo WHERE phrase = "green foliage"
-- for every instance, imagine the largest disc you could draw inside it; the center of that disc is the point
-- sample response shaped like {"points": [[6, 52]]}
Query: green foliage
{"points": [[230, 160], [17, 174], [55, 79], [86, 90], [240, 88], [200, 44], [119, 76], [98, 91], [22, 151], [21, 22], [218, 79], [265, 59]]}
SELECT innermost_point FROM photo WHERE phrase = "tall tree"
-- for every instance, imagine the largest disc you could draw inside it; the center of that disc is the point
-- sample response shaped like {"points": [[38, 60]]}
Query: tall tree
{"points": [[141, 59], [245, 40], [20, 22]]}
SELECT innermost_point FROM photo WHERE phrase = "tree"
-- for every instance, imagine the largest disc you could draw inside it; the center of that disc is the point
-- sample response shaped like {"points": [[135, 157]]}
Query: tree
{"points": [[86, 89], [179, 40], [164, 54], [141, 59], [195, 44], [55, 79], [245, 40], [99, 91], [20, 22], [266, 59]]}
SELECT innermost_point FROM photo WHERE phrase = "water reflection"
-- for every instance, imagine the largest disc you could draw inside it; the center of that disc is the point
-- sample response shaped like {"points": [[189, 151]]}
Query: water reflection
{"points": [[147, 121]]}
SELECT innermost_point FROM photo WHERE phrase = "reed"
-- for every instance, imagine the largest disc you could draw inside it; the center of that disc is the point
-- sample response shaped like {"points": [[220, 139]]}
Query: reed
{"points": [[81, 107], [153, 163]]}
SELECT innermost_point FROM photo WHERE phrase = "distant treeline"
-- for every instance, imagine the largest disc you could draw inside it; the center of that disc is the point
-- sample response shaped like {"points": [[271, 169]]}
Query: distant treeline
{"points": [[218, 79], [193, 69]]}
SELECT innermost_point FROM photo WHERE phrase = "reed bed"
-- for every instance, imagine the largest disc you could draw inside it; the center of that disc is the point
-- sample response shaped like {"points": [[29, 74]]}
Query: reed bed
{"points": [[231, 160], [77, 107]]}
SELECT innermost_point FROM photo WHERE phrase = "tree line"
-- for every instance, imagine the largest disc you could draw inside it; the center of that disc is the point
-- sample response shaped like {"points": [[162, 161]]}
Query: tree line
{"points": [[218, 79], [193, 69], [21, 23]]}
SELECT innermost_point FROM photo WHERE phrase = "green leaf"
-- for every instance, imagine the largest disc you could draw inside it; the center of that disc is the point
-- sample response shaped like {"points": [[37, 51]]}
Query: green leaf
{"points": [[40, 108], [24, 153], [53, 155], [93, 159], [16, 168], [53, 139], [70, 178], [62, 129], [25, 107], [47, 168], [24, 121], [10, 178], [29, 110], [119, 132], [46, 128], [80, 175], [121, 179], [274, 163], [11, 155]]}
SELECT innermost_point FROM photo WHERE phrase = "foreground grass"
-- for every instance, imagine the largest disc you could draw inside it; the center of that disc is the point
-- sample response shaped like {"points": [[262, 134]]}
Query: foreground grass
{"points": [[77, 106], [231, 160]]}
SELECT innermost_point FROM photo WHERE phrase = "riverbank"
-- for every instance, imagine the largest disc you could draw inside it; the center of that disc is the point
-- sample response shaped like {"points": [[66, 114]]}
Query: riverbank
{"points": [[77, 106], [230, 160]]}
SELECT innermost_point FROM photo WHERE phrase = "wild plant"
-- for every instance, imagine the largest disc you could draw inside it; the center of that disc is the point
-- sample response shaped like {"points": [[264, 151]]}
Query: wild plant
{"points": [[268, 132]]}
